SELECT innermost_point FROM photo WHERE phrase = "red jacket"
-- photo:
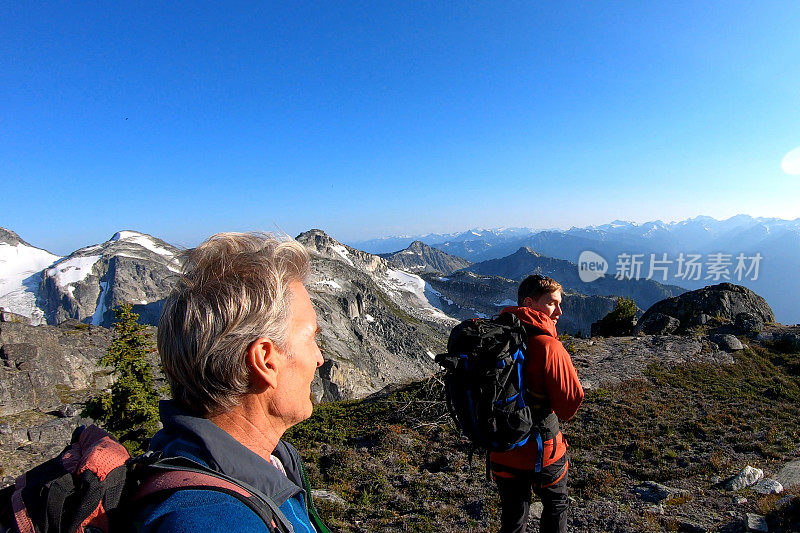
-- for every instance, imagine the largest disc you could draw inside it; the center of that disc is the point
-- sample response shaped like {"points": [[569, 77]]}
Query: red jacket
{"points": [[549, 373]]}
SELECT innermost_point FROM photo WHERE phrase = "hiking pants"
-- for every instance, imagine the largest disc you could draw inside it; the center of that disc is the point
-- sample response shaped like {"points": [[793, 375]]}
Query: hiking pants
{"points": [[550, 486]]}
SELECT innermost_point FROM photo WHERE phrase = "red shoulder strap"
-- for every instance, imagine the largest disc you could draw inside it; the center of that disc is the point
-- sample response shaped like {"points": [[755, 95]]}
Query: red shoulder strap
{"points": [[181, 479]]}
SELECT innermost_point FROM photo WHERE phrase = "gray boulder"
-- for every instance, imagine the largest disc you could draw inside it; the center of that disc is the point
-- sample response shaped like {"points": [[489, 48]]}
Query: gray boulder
{"points": [[747, 477], [789, 476], [657, 324], [757, 523], [787, 342], [653, 492], [729, 343], [768, 486], [724, 301]]}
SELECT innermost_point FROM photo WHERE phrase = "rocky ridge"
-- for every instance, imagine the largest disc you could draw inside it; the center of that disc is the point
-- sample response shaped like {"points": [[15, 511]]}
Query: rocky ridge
{"points": [[377, 328], [418, 257], [464, 295], [526, 261]]}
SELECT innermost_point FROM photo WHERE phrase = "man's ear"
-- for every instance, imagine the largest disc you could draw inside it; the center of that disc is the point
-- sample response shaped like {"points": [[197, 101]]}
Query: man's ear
{"points": [[262, 361], [527, 302]]}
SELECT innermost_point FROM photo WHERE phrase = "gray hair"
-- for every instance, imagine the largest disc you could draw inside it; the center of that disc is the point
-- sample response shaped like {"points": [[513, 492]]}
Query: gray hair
{"points": [[234, 290]]}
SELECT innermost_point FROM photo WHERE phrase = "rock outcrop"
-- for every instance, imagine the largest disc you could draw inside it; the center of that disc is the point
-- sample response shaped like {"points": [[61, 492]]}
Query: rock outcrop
{"points": [[41, 366], [727, 302], [378, 325]]}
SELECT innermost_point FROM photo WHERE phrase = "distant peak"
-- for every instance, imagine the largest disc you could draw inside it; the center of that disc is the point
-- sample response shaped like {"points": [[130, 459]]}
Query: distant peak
{"points": [[314, 232], [126, 234], [527, 250], [317, 239]]}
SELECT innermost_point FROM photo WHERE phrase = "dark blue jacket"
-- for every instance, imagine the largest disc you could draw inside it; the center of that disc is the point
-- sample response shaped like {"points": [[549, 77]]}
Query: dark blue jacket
{"points": [[192, 511]]}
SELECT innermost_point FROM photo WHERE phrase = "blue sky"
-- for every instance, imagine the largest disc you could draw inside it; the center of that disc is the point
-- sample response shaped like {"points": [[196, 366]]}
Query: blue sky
{"points": [[379, 118]]}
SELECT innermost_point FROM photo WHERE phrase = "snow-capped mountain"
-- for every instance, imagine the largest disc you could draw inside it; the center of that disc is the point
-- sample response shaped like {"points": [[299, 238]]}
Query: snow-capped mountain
{"points": [[21, 266], [88, 284]]}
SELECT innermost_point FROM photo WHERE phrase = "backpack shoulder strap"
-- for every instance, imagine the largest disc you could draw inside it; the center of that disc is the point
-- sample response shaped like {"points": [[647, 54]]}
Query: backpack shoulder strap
{"points": [[163, 477]]}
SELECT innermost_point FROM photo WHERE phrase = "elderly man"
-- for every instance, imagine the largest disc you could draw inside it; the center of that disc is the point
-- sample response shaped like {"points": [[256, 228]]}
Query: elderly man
{"points": [[237, 339], [551, 380]]}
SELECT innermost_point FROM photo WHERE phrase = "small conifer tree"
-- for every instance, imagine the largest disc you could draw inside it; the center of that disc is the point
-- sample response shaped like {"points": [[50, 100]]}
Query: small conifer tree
{"points": [[618, 322], [132, 404]]}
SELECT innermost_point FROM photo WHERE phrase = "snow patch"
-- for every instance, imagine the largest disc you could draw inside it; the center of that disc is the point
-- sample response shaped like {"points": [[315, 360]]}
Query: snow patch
{"points": [[19, 284], [145, 241], [417, 286], [342, 251], [430, 354], [369, 317], [329, 283], [69, 271], [506, 303], [99, 311], [408, 282]]}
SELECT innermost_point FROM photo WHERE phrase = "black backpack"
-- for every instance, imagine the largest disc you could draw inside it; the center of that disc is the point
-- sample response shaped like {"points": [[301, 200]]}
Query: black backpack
{"points": [[94, 486], [484, 383]]}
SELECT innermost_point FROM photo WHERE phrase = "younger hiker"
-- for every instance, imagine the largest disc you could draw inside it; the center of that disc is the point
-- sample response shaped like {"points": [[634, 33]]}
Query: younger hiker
{"points": [[551, 380]]}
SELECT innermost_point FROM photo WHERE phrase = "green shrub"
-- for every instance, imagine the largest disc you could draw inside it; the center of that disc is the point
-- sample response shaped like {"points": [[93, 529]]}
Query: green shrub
{"points": [[619, 322]]}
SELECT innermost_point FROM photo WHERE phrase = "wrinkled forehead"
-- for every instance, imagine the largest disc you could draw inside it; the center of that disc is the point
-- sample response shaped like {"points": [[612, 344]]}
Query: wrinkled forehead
{"points": [[301, 307]]}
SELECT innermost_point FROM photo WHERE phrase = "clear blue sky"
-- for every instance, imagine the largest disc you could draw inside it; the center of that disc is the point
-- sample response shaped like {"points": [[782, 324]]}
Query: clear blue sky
{"points": [[378, 118]]}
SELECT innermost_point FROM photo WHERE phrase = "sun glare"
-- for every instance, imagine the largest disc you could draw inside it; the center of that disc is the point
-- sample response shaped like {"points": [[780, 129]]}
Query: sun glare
{"points": [[791, 162]]}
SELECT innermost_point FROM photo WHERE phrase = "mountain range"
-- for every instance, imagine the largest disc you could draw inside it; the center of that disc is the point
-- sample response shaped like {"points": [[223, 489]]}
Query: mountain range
{"points": [[776, 276], [378, 326]]}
